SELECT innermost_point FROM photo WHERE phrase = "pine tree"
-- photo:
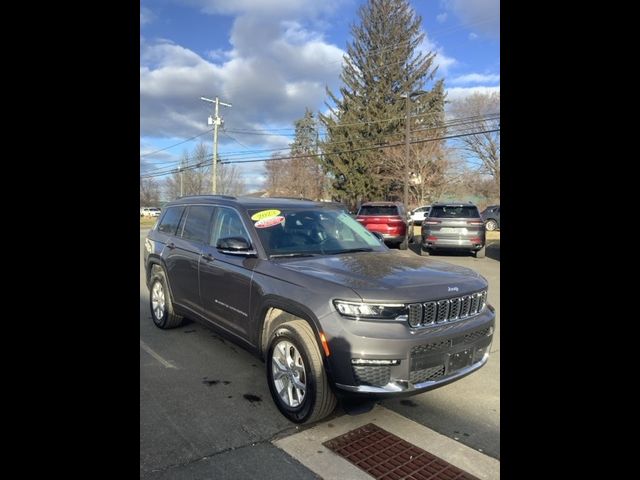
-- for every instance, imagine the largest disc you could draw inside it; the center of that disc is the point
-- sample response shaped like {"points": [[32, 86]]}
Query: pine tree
{"points": [[382, 64]]}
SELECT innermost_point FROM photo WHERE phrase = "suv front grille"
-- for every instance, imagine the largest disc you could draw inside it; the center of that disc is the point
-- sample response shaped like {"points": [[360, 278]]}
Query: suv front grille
{"points": [[451, 309], [377, 375], [422, 375]]}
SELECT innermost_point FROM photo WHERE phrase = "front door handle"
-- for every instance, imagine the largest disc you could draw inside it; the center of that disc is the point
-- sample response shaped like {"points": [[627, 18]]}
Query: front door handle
{"points": [[171, 246], [208, 257]]}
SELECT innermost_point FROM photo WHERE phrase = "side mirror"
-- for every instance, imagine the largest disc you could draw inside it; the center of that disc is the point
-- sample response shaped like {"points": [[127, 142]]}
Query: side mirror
{"points": [[235, 246]]}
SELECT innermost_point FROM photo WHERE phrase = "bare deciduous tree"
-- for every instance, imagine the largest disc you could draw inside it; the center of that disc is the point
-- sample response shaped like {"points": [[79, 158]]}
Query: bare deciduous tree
{"points": [[149, 192], [230, 181], [482, 149]]}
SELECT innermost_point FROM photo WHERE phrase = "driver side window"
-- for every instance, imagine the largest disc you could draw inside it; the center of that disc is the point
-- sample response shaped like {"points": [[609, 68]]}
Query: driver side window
{"points": [[227, 223]]}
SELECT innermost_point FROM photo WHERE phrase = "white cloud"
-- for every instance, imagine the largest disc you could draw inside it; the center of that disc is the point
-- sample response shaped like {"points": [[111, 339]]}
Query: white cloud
{"points": [[146, 16], [475, 78], [482, 15], [443, 61], [274, 70], [473, 36], [458, 93], [441, 18], [269, 8]]}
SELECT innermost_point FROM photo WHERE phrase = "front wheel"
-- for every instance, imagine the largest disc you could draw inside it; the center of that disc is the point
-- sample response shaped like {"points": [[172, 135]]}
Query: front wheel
{"points": [[296, 375], [480, 253], [403, 245], [491, 225], [424, 252]]}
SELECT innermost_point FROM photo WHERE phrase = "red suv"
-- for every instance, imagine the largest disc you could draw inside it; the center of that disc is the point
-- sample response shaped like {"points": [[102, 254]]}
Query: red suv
{"points": [[389, 219]]}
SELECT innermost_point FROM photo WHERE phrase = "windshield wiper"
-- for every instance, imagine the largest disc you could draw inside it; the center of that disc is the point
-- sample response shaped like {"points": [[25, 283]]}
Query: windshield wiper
{"points": [[352, 250], [297, 254]]}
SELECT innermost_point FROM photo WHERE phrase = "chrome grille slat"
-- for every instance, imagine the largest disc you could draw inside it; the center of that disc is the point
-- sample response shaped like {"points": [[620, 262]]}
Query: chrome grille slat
{"points": [[430, 311], [441, 311], [454, 310], [466, 304]]}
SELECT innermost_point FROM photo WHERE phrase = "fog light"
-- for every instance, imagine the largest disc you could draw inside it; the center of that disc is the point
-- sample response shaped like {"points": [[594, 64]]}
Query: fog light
{"points": [[364, 361]]}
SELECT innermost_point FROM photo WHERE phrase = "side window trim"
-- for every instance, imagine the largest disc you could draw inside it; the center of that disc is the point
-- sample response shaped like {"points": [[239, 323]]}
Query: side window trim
{"points": [[216, 220]]}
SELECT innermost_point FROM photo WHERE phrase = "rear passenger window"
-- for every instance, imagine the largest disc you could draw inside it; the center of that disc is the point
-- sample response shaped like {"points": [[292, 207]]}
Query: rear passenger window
{"points": [[170, 220], [196, 226]]}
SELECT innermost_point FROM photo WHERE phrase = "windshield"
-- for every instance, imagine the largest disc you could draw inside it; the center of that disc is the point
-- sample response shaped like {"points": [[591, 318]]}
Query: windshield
{"points": [[298, 232], [378, 210]]}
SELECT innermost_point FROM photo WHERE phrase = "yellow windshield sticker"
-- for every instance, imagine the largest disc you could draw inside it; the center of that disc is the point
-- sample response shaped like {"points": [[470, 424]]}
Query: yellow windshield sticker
{"points": [[265, 214]]}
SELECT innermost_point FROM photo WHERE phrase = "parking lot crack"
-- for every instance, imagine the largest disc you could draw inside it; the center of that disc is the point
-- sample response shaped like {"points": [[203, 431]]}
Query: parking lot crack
{"points": [[279, 434]]}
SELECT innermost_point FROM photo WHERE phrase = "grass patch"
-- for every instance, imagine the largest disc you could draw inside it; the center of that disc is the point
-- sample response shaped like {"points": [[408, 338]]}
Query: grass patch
{"points": [[147, 222]]}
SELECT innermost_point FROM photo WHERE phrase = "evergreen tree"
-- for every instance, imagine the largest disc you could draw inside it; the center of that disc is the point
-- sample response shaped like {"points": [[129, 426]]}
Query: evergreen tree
{"points": [[382, 64]]}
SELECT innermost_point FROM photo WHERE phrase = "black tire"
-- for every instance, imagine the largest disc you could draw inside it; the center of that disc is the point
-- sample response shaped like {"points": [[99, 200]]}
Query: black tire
{"points": [[169, 319], [480, 253], [319, 400], [491, 225], [403, 245], [424, 252]]}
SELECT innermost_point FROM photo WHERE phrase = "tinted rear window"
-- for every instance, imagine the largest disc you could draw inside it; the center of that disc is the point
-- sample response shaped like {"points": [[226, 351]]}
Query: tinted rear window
{"points": [[454, 212], [170, 220], [196, 226], [378, 210]]}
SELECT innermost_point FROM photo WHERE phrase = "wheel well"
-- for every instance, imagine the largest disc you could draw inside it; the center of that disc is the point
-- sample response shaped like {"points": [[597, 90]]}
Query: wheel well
{"points": [[273, 318]]}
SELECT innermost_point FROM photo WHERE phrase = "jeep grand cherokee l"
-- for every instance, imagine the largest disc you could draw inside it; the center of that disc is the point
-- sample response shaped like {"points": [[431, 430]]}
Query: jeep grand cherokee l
{"points": [[453, 226], [390, 220], [331, 310]]}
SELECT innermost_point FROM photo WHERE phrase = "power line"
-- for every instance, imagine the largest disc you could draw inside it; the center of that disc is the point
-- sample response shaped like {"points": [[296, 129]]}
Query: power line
{"points": [[380, 146], [456, 122], [176, 144]]}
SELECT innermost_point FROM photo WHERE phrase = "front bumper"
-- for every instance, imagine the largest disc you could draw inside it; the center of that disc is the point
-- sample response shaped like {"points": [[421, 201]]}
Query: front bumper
{"points": [[429, 357]]}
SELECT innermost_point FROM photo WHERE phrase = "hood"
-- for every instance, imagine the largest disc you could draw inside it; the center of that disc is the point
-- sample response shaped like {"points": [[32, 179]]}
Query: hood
{"points": [[391, 276]]}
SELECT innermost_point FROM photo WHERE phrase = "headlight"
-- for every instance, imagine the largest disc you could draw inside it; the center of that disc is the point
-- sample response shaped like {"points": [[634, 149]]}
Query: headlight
{"points": [[389, 311]]}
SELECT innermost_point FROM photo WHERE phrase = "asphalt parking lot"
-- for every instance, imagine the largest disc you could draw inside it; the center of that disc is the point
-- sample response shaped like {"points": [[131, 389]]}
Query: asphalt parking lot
{"points": [[206, 411]]}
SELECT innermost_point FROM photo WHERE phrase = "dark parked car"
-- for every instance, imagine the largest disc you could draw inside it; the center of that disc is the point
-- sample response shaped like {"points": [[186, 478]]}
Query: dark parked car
{"points": [[390, 220], [329, 307], [453, 226], [491, 217]]}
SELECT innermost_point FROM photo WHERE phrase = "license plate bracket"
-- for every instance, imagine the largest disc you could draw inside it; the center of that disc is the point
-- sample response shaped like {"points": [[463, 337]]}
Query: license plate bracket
{"points": [[459, 360]]}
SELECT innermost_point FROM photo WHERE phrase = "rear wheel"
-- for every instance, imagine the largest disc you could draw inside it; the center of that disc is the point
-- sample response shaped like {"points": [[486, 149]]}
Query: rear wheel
{"points": [[160, 303], [491, 225], [480, 253], [296, 375]]}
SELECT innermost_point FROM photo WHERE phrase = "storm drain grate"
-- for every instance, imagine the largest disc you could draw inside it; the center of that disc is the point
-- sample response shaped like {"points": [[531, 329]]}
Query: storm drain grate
{"points": [[385, 456]]}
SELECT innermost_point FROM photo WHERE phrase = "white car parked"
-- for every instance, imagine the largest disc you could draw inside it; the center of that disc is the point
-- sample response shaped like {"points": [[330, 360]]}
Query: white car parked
{"points": [[419, 213], [149, 212]]}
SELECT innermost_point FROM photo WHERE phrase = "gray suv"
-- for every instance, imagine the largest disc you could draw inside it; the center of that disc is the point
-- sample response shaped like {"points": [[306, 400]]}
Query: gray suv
{"points": [[453, 226], [331, 310]]}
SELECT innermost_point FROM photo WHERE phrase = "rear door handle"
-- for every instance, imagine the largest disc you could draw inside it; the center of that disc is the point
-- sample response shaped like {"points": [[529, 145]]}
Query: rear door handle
{"points": [[208, 257]]}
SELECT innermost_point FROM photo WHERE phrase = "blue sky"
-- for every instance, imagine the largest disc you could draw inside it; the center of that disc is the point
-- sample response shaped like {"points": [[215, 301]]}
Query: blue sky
{"points": [[273, 58]]}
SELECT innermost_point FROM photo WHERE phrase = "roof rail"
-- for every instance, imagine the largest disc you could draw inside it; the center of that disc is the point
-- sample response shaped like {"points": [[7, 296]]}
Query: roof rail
{"points": [[293, 198], [229, 197]]}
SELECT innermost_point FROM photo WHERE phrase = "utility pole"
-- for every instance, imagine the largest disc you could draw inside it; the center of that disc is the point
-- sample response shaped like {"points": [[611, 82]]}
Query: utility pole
{"points": [[217, 121], [407, 152]]}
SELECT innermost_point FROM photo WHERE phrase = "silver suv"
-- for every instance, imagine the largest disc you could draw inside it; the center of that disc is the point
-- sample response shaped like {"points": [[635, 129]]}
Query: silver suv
{"points": [[453, 226], [331, 310]]}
